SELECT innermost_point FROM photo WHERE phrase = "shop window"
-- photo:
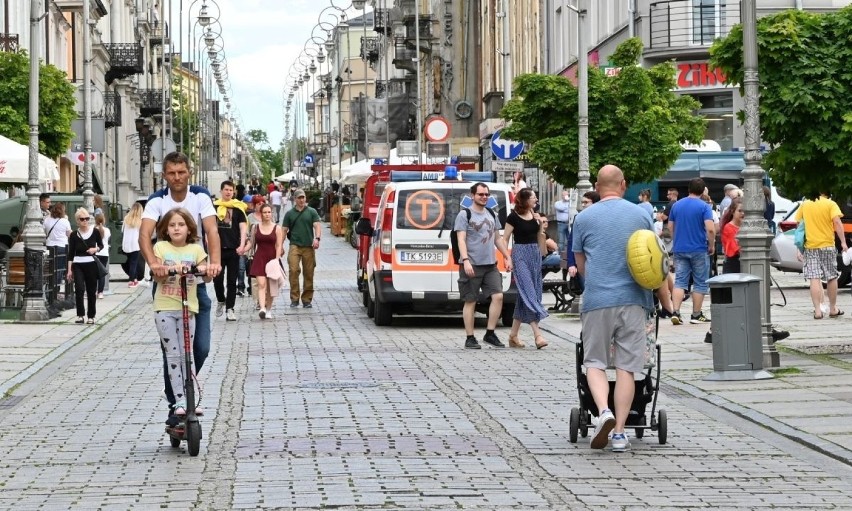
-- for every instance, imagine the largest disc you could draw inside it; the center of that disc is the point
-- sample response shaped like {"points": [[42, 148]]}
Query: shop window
{"points": [[706, 20]]}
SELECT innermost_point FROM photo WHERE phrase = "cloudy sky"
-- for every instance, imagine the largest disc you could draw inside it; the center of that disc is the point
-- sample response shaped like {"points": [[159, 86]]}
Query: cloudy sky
{"points": [[262, 39]]}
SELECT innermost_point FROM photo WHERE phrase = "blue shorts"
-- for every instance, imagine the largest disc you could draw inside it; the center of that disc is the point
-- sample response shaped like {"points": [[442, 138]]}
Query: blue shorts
{"points": [[695, 265]]}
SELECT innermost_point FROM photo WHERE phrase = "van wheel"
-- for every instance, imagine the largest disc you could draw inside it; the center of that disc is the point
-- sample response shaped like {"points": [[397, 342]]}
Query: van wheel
{"points": [[506, 314], [383, 314]]}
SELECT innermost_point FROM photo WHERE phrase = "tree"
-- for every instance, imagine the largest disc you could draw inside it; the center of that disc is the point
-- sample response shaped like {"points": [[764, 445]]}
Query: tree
{"points": [[805, 102], [635, 120], [271, 161], [186, 120], [56, 104]]}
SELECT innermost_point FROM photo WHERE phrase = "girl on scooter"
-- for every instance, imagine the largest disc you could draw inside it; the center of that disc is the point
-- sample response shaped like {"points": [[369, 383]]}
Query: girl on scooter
{"points": [[179, 251]]}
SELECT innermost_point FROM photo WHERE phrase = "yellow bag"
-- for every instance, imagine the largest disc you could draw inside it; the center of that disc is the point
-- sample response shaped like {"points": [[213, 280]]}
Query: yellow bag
{"points": [[647, 259]]}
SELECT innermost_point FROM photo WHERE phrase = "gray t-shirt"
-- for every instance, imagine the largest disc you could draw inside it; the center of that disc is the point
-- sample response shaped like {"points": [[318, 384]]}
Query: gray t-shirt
{"points": [[482, 231], [601, 233]]}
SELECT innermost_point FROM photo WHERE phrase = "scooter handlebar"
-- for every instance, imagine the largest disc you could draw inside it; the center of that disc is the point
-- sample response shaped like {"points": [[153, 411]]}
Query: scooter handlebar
{"points": [[198, 271]]}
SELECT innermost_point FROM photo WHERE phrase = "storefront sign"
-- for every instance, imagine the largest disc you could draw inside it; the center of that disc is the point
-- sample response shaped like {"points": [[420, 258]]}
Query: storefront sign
{"points": [[699, 75]]}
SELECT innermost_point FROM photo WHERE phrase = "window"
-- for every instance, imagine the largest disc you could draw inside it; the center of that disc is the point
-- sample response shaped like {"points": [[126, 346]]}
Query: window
{"points": [[706, 22], [718, 110]]}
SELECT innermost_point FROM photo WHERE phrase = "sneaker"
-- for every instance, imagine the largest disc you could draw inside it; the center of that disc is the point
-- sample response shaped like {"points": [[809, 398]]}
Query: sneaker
{"points": [[307, 305], [491, 338], [664, 314], [230, 315], [262, 313], [676, 319], [199, 411], [100, 296], [257, 306], [708, 337], [472, 344], [173, 420], [241, 293], [293, 305], [606, 421], [220, 309], [132, 283], [620, 443], [268, 314], [698, 319], [778, 335], [180, 408]]}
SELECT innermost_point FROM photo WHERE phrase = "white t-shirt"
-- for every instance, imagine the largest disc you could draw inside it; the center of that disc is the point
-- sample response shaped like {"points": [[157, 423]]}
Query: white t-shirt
{"points": [[199, 206], [105, 251], [130, 239], [275, 197], [57, 230]]}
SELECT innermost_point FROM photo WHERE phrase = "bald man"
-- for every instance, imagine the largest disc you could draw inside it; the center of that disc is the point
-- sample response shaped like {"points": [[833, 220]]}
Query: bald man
{"points": [[615, 307]]}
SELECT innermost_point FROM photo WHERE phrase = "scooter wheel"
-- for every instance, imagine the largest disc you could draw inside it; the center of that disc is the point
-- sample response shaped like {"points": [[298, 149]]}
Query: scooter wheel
{"points": [[193, 438], [174, 441]]}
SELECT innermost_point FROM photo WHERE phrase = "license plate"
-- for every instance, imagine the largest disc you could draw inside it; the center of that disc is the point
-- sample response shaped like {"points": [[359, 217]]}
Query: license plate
{"points": [[407, 256]]}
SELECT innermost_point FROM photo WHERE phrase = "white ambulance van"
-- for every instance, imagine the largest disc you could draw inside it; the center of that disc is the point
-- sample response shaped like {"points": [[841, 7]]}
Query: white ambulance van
{"points": [[411, 268]]}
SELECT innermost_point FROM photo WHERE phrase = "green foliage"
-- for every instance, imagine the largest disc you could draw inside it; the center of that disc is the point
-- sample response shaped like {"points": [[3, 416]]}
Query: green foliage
{"points": [[56, 104], [271, 161], [805, 72], [186, 119], [635, 120]]}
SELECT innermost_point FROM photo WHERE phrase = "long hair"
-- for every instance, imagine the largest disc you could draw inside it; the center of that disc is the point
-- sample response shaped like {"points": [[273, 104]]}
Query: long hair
{"points": [[736, 203], [133, 218], [57, 210], [522, 201], [163, 225], [100, 220]]}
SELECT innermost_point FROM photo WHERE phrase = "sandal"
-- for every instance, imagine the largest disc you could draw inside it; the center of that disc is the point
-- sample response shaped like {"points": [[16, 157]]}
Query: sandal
{"points": [[514, 342], [817, 317], [79, 320], [839, 313], [540, 344]]}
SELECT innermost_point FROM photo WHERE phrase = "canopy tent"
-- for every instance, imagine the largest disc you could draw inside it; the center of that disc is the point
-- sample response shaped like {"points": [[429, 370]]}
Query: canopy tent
{"points": [[356, 176], [365, 164], [285, 178], [15, 163]]}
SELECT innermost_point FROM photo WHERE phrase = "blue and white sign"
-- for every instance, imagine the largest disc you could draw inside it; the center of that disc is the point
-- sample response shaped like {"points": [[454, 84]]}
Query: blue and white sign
{"points": [[505, 149], [309, 160]]}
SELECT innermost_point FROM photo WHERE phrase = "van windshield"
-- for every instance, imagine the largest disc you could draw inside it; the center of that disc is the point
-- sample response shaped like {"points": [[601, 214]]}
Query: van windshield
{"points": [[436, 208]]}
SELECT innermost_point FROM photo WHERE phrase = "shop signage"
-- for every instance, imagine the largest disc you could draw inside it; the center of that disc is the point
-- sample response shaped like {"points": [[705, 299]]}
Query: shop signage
{"points": [[699, 75]]}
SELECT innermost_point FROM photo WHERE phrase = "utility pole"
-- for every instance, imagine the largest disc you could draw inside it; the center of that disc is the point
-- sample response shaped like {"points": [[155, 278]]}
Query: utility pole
{"points": [[507, 55], [88, 194], [754, 235], [34, 308], [419, 127], [583, 175]]}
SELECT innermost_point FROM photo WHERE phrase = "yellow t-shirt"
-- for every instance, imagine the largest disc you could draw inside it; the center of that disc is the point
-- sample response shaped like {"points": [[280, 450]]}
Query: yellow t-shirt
{"points": [[167, 297], [819, 222]]}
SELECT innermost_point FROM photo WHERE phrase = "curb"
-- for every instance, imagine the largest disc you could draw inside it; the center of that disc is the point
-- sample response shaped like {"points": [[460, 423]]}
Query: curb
{"points": [[39, 364]]}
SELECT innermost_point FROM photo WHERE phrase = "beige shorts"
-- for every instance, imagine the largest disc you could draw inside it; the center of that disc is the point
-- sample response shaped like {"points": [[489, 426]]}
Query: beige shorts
{"points": [[622, 326]]}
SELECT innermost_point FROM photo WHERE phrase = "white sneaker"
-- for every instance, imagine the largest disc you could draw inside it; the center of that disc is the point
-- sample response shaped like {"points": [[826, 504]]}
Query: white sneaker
{"points": [[606, 422], [220, 309], [620, 443], [847, 257], [268, 314], [230, 315]]}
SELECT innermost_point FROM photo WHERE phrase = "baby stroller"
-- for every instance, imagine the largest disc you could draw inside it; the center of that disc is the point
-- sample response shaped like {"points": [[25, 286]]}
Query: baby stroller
{"points": [[647, 387]]}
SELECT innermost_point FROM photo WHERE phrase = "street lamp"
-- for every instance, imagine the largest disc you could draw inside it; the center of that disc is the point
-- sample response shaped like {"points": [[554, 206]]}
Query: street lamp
{"points": [[583, 175], [34, 308], [754, 235]]}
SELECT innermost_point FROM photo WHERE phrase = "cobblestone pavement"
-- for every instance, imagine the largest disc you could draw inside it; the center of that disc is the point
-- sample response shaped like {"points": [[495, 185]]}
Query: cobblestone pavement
{"points": [[321, 409]]}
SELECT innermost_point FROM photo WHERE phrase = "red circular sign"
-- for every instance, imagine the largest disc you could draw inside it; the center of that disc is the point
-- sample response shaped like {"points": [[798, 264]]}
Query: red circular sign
{"points": [[437, 129]]}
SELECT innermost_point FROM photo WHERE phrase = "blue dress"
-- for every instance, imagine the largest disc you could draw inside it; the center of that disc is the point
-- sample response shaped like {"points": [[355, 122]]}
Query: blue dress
{"points": [[526, 263]]}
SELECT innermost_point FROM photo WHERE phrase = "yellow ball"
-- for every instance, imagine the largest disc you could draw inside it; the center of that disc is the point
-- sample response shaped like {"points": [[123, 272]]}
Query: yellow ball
{"points": [[647, 259]]}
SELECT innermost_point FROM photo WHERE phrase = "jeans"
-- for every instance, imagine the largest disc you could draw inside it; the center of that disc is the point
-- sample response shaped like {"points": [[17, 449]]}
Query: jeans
{"points": [[563, 229], [230, 264], [133, 265], [201, 343], [102, 280], [695, 265], [243, 280]]}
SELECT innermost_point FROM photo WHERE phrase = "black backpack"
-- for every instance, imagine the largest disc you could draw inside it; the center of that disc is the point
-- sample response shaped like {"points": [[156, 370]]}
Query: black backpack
{"points": [[454, 237]]}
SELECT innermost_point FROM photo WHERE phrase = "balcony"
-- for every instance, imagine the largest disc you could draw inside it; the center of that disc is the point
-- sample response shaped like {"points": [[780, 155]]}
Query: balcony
{"points": [[159, 35], [151, 103], [112, 109], [381, 21], [370, 47], [687, 27], [9, 43], [125, 59]]}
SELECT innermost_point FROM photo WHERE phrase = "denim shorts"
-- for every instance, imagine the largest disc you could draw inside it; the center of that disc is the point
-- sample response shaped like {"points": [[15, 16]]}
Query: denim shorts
{"points": [[695, 265]]}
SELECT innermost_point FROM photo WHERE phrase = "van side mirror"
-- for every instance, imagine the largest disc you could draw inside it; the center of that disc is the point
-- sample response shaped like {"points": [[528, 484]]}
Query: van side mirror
{"points": [[363, 227]]}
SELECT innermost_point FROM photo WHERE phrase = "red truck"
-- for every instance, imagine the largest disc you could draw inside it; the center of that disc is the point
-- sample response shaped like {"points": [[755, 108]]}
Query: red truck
{"points": [[373, 193]]}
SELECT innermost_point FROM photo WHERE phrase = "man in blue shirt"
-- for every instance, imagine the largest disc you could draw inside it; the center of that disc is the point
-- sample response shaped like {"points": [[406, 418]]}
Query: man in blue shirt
{"points": [[693, 241], [615, 307]]}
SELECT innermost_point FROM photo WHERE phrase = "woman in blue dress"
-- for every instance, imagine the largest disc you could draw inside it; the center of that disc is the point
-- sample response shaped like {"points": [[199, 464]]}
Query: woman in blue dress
{"points": [[529, 246]]}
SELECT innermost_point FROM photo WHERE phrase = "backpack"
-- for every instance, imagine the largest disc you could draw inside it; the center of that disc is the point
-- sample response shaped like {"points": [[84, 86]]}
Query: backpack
{"points": [[454, 237]]}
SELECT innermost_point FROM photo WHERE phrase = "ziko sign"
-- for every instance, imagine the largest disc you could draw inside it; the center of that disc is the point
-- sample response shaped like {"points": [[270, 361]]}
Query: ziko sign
{"points": [[699, 75]]}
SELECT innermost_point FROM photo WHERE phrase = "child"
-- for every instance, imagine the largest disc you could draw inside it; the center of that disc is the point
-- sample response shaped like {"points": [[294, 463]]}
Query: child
{"points": [[178, 251]]}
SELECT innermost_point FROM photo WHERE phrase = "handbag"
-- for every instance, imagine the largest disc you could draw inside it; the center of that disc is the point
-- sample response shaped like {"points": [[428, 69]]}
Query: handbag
{"points": [[799, 236], [102, 269]]}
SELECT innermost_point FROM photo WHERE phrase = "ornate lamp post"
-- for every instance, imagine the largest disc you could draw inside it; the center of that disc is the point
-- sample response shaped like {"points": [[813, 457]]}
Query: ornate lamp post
{"points": [[754, 235], [583, 174], [34, 308]]}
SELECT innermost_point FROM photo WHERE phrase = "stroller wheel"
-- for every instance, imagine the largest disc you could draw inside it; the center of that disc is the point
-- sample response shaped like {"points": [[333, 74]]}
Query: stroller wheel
{"points": [[585, 421], [574, 425], [662, 427]]}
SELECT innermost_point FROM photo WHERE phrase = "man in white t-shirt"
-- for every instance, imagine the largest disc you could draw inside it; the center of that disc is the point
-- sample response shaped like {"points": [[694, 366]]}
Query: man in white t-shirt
{"points": [[178, 195], [275, 200]]}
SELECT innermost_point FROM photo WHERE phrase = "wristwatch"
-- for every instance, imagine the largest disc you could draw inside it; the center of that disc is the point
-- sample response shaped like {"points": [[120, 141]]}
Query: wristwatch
{"points": [[317, 238]]}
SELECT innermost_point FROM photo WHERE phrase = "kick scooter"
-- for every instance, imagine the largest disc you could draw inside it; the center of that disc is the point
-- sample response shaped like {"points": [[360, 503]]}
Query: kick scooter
{"points": [[189, 428]]}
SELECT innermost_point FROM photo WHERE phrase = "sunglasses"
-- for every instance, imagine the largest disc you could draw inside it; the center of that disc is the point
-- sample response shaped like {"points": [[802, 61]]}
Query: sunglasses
{"points": [[83, 219], [483, 194]]}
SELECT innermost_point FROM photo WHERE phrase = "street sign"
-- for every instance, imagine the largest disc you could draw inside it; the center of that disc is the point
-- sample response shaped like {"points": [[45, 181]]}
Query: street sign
{"points": [[437, 129], [507, 166], [309, 160], [162, 146], [505, 149]]}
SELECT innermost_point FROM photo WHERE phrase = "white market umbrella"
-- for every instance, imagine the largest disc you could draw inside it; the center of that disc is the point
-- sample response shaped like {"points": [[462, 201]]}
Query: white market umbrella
{"points": [[15, 163]]}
